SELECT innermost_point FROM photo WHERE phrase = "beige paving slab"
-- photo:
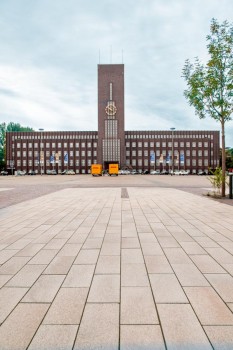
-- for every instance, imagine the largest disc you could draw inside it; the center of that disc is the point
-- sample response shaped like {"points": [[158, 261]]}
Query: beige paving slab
{"points": [[133, 275], [55, 243], [221, 337], [26, 276], [206, 264], [9, 298], [60, 265], [181, 328], [50, 337], [130, 242], [4, 279], [43, 257], [110, 248], [138, 337], [79, 276], [189, 275], [44, 290], [99, 328], [192, 248], [131, 256], [13, 265], [87, 256], [105, 289], [157, 264], [78, 238], [137, 306], [168, 242], [177, 256], [220, 255], [71, 249], [30, 250], [6, 255], [167, 289], [93, 243], [108, 265], [67, 307], [223, 284], [208, 306], [20, 244], [151, 249], [147, 237], [18, 330]]}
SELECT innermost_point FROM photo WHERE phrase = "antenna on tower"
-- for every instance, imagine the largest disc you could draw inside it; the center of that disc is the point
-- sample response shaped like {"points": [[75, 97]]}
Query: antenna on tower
{"points": [[99, 56], [122, 55]]}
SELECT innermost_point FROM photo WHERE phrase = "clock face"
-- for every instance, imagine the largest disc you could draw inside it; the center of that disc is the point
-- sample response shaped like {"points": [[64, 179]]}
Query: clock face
{"points": [[111, 109]]}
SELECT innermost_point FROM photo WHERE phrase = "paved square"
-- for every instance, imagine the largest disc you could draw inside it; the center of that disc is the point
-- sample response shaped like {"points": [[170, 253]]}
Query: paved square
{"points": [[116, 267]]}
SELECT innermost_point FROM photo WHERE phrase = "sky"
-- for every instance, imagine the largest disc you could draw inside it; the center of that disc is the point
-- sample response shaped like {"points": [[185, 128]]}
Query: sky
{"points": [[50, 50]]}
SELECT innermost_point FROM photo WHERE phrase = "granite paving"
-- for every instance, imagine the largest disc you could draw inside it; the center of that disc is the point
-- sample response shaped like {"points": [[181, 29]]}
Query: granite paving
{"points": [[88, 268]]}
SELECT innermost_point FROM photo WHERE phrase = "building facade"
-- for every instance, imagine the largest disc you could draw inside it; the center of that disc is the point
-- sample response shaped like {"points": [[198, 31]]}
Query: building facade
{"points": [[141, 150]]}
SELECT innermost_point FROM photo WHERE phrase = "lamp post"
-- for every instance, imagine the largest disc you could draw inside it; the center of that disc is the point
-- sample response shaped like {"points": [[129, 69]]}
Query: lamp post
{"points": [[41, 149], [172, 130]]}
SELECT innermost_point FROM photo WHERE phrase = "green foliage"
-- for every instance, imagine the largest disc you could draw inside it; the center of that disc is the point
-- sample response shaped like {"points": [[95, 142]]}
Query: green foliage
{"points": [[3, 129], [210, 86], [216, 179]]}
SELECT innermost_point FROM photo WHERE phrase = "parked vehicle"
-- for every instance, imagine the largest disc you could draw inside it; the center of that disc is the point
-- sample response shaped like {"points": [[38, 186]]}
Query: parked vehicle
{"points": [[4, 173], [31, 172], [123, 172], [96, 169], [51, 172], [155, 172], [20, 173], [145, 172], [113, 169], [184, 172], [201, 172], [68, 172], [164, 172]]}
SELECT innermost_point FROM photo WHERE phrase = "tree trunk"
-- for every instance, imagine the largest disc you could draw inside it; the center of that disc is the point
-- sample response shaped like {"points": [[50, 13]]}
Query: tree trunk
{"points": [[223, 160]]}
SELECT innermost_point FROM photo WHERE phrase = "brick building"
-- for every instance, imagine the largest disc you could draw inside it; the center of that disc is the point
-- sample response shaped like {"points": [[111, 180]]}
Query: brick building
{"points": [[142, 150]]}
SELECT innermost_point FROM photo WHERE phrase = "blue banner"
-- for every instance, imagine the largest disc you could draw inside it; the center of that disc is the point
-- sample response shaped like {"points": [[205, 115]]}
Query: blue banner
{"points": [[182, 158], [152, 158], [52, 159], [66, 158], [168, 158]]}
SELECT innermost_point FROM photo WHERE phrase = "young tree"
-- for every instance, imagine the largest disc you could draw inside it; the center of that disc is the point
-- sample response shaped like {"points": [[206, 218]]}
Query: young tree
{"points": [[210, 86]]}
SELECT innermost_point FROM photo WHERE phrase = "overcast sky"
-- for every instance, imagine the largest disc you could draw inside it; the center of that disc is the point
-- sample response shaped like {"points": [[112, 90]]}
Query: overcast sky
{"points": [[50, 50]]}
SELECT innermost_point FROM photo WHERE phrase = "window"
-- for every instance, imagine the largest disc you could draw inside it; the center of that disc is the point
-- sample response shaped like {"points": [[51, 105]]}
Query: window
{"points": [[170, 144], [65, 144], [89, 144], [71, 153], [199, 153], [151, 144], [157, 144], [206, 153], [205, 144], [139, 153], [158, 153], [200, 162], [47, 144], [199, 144], [194, 163], [206, 162], [145, 144], [30, 145], [194, 153], [30, 153], [83, 153], [71, 145], [77, 144], [134, 153], [89, 153], [83, 162], [59, 144], [133, 144], [139, 162], [139, 144], [24, 153], [133, 162], [77, 162], [175, 144], [24, 145], [18, 153], [187, 144], [127, 144], [193, 144], [146, 162], [188, 153], [53, 145], [83, 144], [182, 144], [145, 153], [77, 153]]}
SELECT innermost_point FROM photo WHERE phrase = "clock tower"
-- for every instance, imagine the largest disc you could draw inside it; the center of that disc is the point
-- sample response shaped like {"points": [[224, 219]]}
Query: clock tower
{"points": [[111, 134]]}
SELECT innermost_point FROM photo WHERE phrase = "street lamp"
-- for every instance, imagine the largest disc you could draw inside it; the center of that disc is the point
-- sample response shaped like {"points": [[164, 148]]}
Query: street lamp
{"points": [[41, 157], [172, 130]]}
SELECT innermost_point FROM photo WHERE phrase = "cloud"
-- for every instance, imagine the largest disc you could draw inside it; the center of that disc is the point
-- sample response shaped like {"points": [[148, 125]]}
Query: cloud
{"points": [[50, 51]]}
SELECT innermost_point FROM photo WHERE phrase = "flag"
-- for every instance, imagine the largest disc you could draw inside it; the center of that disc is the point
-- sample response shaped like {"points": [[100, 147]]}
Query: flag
{"points": [[182, 158], [52, 159], [168, 159]]}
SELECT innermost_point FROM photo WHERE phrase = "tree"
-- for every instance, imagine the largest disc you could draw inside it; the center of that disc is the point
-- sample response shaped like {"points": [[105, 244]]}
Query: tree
{"points": [[3, 129], [210, 86]]}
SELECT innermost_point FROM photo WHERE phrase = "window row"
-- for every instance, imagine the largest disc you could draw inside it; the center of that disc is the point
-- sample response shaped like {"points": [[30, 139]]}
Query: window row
{"points": [[167, 144], [53, 145]]}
